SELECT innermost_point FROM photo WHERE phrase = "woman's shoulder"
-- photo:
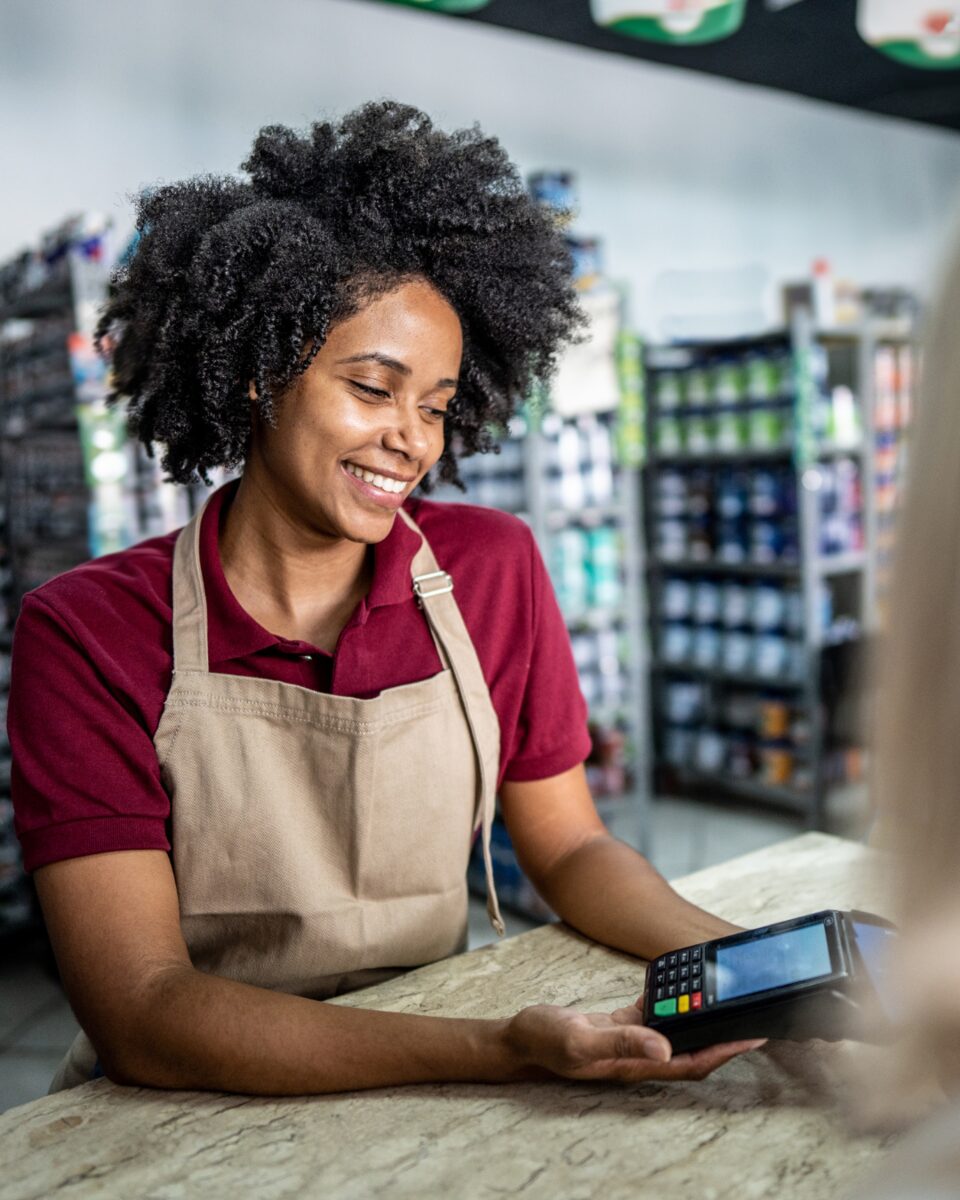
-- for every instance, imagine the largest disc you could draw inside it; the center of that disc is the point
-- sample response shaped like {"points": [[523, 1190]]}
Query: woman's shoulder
{"points": [[119, 586], [463, 528]]}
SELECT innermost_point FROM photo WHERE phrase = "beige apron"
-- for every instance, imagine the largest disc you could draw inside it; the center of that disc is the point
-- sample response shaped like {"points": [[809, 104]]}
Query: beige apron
{"points": [[320, 843]]}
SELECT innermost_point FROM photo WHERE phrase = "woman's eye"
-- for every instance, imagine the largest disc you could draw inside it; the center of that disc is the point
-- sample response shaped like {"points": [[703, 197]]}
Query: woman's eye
{"points": [[372, 391], [437, 413]]}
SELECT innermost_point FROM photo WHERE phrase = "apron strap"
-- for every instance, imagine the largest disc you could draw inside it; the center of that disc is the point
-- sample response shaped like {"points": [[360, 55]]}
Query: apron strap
{"points": [[190, 652], [433, 589]]}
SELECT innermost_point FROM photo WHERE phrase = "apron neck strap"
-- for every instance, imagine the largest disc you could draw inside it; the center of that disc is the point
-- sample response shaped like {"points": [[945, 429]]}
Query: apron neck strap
{"points": [[433, 589], [190, 652]]}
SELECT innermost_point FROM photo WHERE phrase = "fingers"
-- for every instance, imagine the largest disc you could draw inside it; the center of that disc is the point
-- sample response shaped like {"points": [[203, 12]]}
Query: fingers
{"points": [[689, 1066], [633, 1053], [621, 1041], [698, 1064]]}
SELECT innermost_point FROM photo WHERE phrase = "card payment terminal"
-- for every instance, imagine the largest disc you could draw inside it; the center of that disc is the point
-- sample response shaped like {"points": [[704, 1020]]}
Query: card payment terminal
{"points": [[797, 979]]}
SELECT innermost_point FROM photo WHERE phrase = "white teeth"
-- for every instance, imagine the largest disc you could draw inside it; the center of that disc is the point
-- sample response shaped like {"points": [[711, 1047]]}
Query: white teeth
{"points": [[381, 481]]}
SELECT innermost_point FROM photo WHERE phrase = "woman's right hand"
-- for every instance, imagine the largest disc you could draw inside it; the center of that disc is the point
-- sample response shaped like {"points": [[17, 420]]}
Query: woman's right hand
{"points": [[548, 1040]]}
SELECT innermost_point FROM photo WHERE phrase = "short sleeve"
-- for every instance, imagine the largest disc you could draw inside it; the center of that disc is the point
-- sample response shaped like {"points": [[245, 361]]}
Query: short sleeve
{"points": [[85, 775], [551, 731]]}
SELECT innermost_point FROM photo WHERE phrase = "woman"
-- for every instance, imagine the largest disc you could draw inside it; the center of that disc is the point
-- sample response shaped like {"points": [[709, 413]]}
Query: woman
{"points": [[289, 724]]}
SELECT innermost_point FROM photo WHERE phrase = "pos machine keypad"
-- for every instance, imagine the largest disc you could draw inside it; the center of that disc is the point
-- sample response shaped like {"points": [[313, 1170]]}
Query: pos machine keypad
{"points": [[678, 982]]}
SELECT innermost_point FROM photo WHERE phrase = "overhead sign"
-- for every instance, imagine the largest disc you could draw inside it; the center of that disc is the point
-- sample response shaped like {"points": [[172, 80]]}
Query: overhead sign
{"points": [[920, 33], [678, 22]]}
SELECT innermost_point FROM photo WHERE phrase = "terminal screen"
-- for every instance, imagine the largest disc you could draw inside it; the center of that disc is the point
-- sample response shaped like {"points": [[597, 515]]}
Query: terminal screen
{"points": [[779, 960]]}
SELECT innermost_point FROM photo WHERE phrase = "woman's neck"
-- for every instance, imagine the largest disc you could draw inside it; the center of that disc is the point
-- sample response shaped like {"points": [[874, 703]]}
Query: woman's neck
{"points": [[292, 581]]}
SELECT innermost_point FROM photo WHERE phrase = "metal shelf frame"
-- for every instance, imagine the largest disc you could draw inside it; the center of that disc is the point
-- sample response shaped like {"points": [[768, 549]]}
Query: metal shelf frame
{"points": [[803, 454]]}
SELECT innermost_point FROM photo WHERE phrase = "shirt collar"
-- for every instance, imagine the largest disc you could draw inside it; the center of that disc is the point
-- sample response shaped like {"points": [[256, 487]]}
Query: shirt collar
{"points": [[231, 630]]}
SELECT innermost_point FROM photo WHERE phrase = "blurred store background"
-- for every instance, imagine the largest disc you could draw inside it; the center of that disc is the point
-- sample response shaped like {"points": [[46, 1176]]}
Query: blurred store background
{"points": [[756, 193]]}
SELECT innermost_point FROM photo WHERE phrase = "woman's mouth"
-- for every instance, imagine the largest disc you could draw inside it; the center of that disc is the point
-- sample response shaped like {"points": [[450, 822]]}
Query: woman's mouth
{"points": [[381, 489]]}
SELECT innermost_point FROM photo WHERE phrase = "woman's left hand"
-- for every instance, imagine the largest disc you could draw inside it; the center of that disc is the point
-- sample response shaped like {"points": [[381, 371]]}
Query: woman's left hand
{"points": [[610, 1046]]}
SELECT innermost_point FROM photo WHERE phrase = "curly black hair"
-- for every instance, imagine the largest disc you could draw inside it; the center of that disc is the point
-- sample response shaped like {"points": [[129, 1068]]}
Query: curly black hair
{"points": [[233, 281]]}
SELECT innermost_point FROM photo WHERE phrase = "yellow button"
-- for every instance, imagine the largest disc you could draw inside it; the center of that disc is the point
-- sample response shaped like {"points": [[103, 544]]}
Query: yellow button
{"points": [[684, 1005]]}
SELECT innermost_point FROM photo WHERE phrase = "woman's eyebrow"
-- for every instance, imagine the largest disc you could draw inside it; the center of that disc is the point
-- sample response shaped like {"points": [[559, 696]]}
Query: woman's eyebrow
{"points": [[393, 364]]}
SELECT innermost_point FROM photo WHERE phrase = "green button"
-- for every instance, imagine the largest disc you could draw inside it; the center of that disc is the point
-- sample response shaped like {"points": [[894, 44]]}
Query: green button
{"points": [[665, 1008]]}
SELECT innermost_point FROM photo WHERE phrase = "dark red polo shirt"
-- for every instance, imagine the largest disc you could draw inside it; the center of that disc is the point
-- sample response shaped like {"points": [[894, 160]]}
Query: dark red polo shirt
{"points": [[92, 664]]}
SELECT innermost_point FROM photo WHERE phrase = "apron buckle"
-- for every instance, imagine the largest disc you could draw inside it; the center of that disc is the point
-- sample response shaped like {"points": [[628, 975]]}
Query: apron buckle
{"points": [[444, 585]]}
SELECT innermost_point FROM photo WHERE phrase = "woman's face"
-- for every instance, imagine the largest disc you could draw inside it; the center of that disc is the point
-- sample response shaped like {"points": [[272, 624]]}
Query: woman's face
{"points": [[362, 426]]}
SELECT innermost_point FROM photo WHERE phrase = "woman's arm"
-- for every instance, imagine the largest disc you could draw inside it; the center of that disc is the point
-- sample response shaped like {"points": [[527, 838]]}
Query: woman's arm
{"points": [[595, 883], [157, 1021]]}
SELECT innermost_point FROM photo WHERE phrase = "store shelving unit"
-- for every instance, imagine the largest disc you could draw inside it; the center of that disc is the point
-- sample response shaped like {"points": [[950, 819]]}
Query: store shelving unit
{"points": [[562, 477], [753, 588], [48, 302]]}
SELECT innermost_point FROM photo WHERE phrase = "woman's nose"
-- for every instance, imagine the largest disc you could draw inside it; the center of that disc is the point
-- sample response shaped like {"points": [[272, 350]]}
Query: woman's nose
{"points": [[407, 433]]}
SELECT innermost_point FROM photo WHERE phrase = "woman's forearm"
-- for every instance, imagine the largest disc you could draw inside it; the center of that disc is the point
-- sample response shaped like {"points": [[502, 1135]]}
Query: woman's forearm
{"points": [[200, 1031], [612, 894]]}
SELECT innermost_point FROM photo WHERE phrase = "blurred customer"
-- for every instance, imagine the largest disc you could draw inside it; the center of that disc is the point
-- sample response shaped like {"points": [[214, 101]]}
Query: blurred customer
{"points": [[918, 781]]}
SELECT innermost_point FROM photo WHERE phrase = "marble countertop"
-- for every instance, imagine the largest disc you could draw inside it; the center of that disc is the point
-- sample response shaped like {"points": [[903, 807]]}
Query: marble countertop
{"points": [[748, 1131]]}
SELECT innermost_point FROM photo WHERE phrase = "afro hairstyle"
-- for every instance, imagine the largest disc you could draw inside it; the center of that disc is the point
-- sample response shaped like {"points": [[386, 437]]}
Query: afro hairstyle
{"points": [[233, 280]]}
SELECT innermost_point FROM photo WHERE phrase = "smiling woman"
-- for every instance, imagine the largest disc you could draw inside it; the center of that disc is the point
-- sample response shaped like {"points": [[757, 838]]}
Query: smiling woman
{"points": [[296, 713]]}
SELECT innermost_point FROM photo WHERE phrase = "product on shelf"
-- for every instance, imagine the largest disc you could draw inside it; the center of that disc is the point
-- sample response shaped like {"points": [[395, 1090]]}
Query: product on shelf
{"points": [[841, 507], [750, 736], [725, 404], [726, 515], [733, 627], [578, 458], [836, 419]]}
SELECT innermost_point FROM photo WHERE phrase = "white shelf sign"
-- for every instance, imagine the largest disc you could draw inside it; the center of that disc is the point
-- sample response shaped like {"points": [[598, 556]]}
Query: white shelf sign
{"points": [[586, 380], [920, 33], [675, 21]]}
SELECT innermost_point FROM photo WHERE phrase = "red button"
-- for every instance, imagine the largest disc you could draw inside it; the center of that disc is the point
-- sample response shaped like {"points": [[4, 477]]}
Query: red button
{"points": [[696, 998]]}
